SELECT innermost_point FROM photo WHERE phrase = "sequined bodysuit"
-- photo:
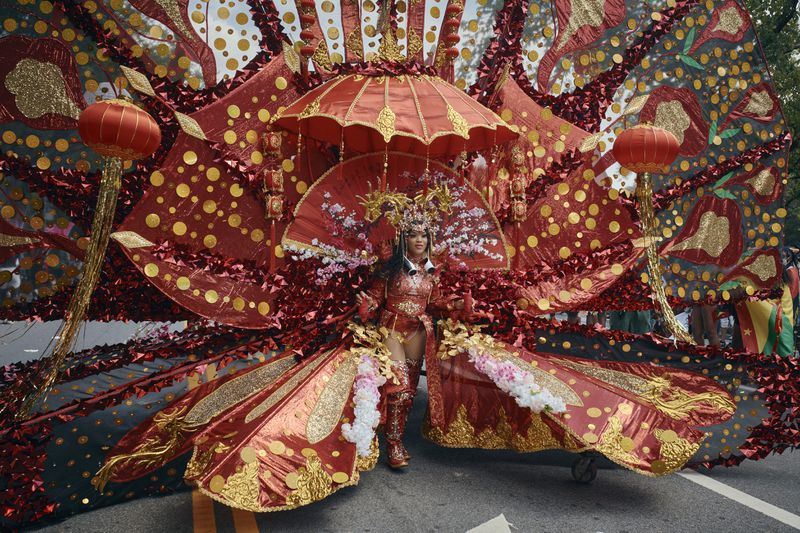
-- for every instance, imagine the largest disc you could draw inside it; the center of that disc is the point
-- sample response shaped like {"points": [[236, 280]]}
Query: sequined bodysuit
{"points": [[406, 299]]}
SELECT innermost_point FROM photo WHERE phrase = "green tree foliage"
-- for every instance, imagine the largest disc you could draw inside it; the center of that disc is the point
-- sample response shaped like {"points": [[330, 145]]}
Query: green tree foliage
{"points": [[777, 23]]}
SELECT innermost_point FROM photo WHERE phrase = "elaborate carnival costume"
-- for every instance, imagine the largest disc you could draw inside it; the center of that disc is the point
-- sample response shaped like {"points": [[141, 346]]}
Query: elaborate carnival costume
{"points": [[301, 431], [268, 233]]}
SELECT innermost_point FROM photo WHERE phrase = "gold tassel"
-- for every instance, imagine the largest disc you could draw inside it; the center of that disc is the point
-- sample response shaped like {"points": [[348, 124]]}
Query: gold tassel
{"points": [[644, 193], [101, 230]]}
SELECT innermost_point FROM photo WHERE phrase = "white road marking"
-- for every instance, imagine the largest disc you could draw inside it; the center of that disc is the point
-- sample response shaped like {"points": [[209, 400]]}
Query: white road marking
{"points": [[498, 524], [745, 499]]}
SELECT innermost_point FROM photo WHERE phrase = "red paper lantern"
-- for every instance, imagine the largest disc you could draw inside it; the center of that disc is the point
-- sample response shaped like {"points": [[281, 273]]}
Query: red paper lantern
{"points": [[646, 148], [116, 128]]}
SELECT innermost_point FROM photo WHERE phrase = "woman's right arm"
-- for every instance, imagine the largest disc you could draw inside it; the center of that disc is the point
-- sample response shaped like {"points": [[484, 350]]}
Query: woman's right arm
{"points": [[374, 297]]}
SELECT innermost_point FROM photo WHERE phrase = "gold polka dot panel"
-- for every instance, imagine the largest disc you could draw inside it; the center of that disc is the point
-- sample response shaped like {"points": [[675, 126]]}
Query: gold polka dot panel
{"points": [[200, 206]]}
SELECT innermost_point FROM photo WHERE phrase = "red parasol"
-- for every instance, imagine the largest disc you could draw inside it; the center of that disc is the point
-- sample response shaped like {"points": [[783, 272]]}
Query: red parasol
{"points": [[418, 114]]}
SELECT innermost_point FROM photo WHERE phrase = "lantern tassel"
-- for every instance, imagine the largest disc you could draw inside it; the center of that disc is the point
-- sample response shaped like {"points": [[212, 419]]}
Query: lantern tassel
{"points": [[92, 265], [644, 193], [272, 245]]}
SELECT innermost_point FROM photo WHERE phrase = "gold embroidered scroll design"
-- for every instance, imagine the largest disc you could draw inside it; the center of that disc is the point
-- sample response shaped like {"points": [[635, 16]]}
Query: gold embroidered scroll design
{"points": [[389, 50], [386, 123], [414, 43], [355, 45], [460, 125], [674, 453], [310, 110], [368, 462], [321, 57], [616, 445], [656, 390], [313, 483], [155, 450], [460, 433], [243, 488]]}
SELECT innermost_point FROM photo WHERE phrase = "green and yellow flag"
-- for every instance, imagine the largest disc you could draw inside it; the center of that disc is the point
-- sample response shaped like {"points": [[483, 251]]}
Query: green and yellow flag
{"points": [[767, 325]]}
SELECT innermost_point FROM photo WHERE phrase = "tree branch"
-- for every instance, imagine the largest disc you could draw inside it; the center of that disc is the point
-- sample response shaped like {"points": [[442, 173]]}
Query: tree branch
{"points": [[787, 14]]}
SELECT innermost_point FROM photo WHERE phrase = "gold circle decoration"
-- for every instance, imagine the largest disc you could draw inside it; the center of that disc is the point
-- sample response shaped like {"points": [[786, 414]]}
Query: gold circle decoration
{"points": [[340, 477], [248, 454], [211, 296], [277, 447], [216, 484], [152, 220], [179, 228]]}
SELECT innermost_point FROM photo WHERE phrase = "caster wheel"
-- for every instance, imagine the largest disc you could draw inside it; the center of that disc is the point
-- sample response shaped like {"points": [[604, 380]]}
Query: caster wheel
{"points": [[584, 470]]}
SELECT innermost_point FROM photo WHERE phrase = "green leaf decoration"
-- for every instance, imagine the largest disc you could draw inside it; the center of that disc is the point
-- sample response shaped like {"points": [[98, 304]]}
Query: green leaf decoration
{"points": [[712, 132], [691, 62], [687, 44], [728, 285], [720, 182], [729, 133], [723, 193]]}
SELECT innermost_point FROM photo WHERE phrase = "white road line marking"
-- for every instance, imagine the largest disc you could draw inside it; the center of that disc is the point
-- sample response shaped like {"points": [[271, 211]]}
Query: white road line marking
{"points": [[745, 499], [498, 524]]}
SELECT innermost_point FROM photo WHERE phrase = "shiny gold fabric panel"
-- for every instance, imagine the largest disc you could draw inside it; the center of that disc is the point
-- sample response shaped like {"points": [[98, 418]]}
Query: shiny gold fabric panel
{"points": [[618, 417], [267, 462]]}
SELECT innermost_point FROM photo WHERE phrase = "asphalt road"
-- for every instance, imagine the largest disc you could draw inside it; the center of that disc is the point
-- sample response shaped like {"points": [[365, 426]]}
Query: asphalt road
{"points": [[457, 490]]}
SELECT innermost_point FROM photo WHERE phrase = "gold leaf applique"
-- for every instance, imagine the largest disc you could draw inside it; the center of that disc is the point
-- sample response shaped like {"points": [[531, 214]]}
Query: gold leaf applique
{"points": [[15, 240], [636, 104], [460, 125], [138, 81], [386, 123], [590, 142], [291, 57], [131, 239], [190, 126]]}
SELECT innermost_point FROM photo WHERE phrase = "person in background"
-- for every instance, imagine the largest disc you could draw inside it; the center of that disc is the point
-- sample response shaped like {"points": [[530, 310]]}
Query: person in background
{"points": [[704, 325], [631, 321]]}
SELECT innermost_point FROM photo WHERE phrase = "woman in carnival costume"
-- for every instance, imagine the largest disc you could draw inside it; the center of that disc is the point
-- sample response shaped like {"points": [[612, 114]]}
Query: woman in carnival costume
{"points": [[286, 433]]}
